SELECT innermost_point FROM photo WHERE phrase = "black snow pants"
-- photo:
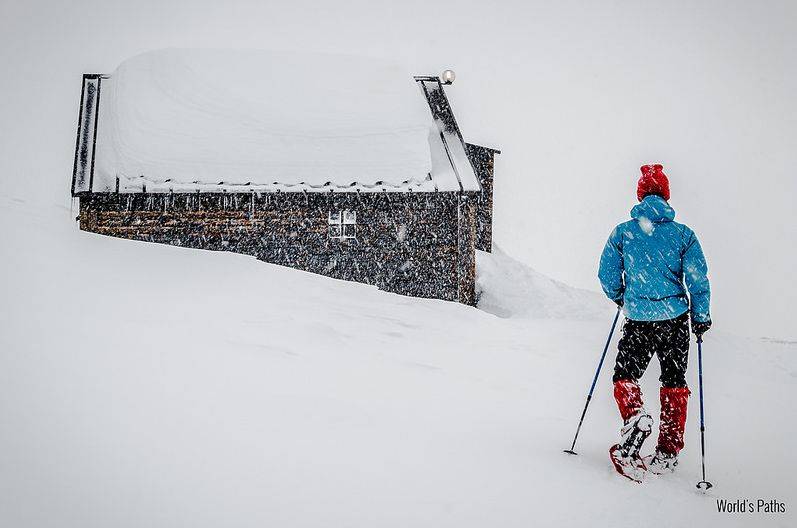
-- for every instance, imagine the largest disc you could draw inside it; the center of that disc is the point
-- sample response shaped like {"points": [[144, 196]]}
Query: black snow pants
{"points": [[668, 339]]}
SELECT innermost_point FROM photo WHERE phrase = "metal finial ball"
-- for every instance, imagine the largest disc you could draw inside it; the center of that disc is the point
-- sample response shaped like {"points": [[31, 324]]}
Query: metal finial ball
{"points": [[448, 76]]}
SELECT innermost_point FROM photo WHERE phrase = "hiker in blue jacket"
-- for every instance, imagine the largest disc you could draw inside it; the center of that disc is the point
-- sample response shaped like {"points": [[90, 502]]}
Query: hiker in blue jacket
{"points": [[648, 265]]}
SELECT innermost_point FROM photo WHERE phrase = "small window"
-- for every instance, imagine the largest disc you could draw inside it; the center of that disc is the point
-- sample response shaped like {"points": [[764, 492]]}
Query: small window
{"points": [[343, 224]]}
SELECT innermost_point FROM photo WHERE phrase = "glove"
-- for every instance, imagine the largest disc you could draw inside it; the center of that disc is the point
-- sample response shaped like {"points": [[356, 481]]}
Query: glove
{"points": [[619, 301], [700, 328]]}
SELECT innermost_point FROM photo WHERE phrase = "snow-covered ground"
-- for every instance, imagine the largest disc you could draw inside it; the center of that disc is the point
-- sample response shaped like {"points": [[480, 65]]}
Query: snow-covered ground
{"points": [[145, 385]]}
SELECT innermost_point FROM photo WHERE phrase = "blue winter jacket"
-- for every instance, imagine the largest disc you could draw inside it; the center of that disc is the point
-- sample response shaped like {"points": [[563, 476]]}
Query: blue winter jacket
{"points": [[646, 262]]}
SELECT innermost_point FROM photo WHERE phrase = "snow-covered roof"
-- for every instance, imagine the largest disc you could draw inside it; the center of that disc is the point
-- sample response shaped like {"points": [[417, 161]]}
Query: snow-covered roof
{"points": [[212, 120]]}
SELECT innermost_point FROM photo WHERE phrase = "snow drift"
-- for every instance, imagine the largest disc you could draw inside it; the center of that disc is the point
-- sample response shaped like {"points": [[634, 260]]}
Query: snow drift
{"points": [[508, 288], [261, 116]]}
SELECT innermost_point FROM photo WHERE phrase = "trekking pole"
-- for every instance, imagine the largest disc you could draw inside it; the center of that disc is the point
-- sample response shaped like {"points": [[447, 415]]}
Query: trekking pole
{"points": [[703, 485], [594, 381]]}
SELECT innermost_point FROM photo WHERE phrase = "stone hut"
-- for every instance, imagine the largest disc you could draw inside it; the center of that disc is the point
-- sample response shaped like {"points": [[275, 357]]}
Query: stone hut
{"points": [[402, 205]]}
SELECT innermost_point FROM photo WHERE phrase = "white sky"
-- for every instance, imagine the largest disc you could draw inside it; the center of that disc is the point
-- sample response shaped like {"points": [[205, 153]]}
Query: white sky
{"points": [[576, 94]]}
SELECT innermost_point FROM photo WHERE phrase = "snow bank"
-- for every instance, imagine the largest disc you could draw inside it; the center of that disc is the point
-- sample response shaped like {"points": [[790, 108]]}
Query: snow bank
{"points": [[261, 116], [508, 288]]}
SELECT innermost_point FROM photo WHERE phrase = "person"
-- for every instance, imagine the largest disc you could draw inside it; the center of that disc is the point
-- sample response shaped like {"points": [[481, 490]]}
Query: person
{"points": [[646, 267]]}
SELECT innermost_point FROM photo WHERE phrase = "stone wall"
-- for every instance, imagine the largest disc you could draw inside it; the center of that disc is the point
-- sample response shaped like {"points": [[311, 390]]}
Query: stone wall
{"points": [[419, 244], [483, 161], [467, 237]]}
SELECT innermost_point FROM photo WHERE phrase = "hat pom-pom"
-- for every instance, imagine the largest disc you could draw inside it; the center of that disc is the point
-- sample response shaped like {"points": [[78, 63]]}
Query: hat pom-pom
{"points": [[650, 170]]}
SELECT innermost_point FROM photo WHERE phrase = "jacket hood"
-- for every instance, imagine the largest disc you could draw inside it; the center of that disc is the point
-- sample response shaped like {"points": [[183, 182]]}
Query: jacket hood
{"points": [[653, 208]]}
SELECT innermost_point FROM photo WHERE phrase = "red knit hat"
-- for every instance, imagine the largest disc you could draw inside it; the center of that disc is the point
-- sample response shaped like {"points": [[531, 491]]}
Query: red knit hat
{"points": [[653, 181]]}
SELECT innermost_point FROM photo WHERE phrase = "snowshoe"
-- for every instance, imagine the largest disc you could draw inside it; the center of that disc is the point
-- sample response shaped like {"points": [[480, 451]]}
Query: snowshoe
{"points": [[625, 455], [631, 467], [634, 433], [661, 463]]}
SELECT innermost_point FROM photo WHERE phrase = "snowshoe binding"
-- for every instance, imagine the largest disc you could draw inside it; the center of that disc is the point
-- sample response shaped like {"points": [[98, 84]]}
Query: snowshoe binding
{"points": [[625, 455], [661, 463]]}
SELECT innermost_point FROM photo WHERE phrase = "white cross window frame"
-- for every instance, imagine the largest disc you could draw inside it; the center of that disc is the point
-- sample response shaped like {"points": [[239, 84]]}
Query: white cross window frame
{"points": [[342, 225]]}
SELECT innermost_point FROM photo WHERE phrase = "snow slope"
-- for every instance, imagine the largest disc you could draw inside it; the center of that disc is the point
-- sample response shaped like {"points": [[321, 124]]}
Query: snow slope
{"points": [[144, 385]]}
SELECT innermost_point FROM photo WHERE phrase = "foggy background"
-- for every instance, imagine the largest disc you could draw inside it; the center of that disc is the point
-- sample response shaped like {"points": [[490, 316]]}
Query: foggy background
{"points": [[577, 95]]}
